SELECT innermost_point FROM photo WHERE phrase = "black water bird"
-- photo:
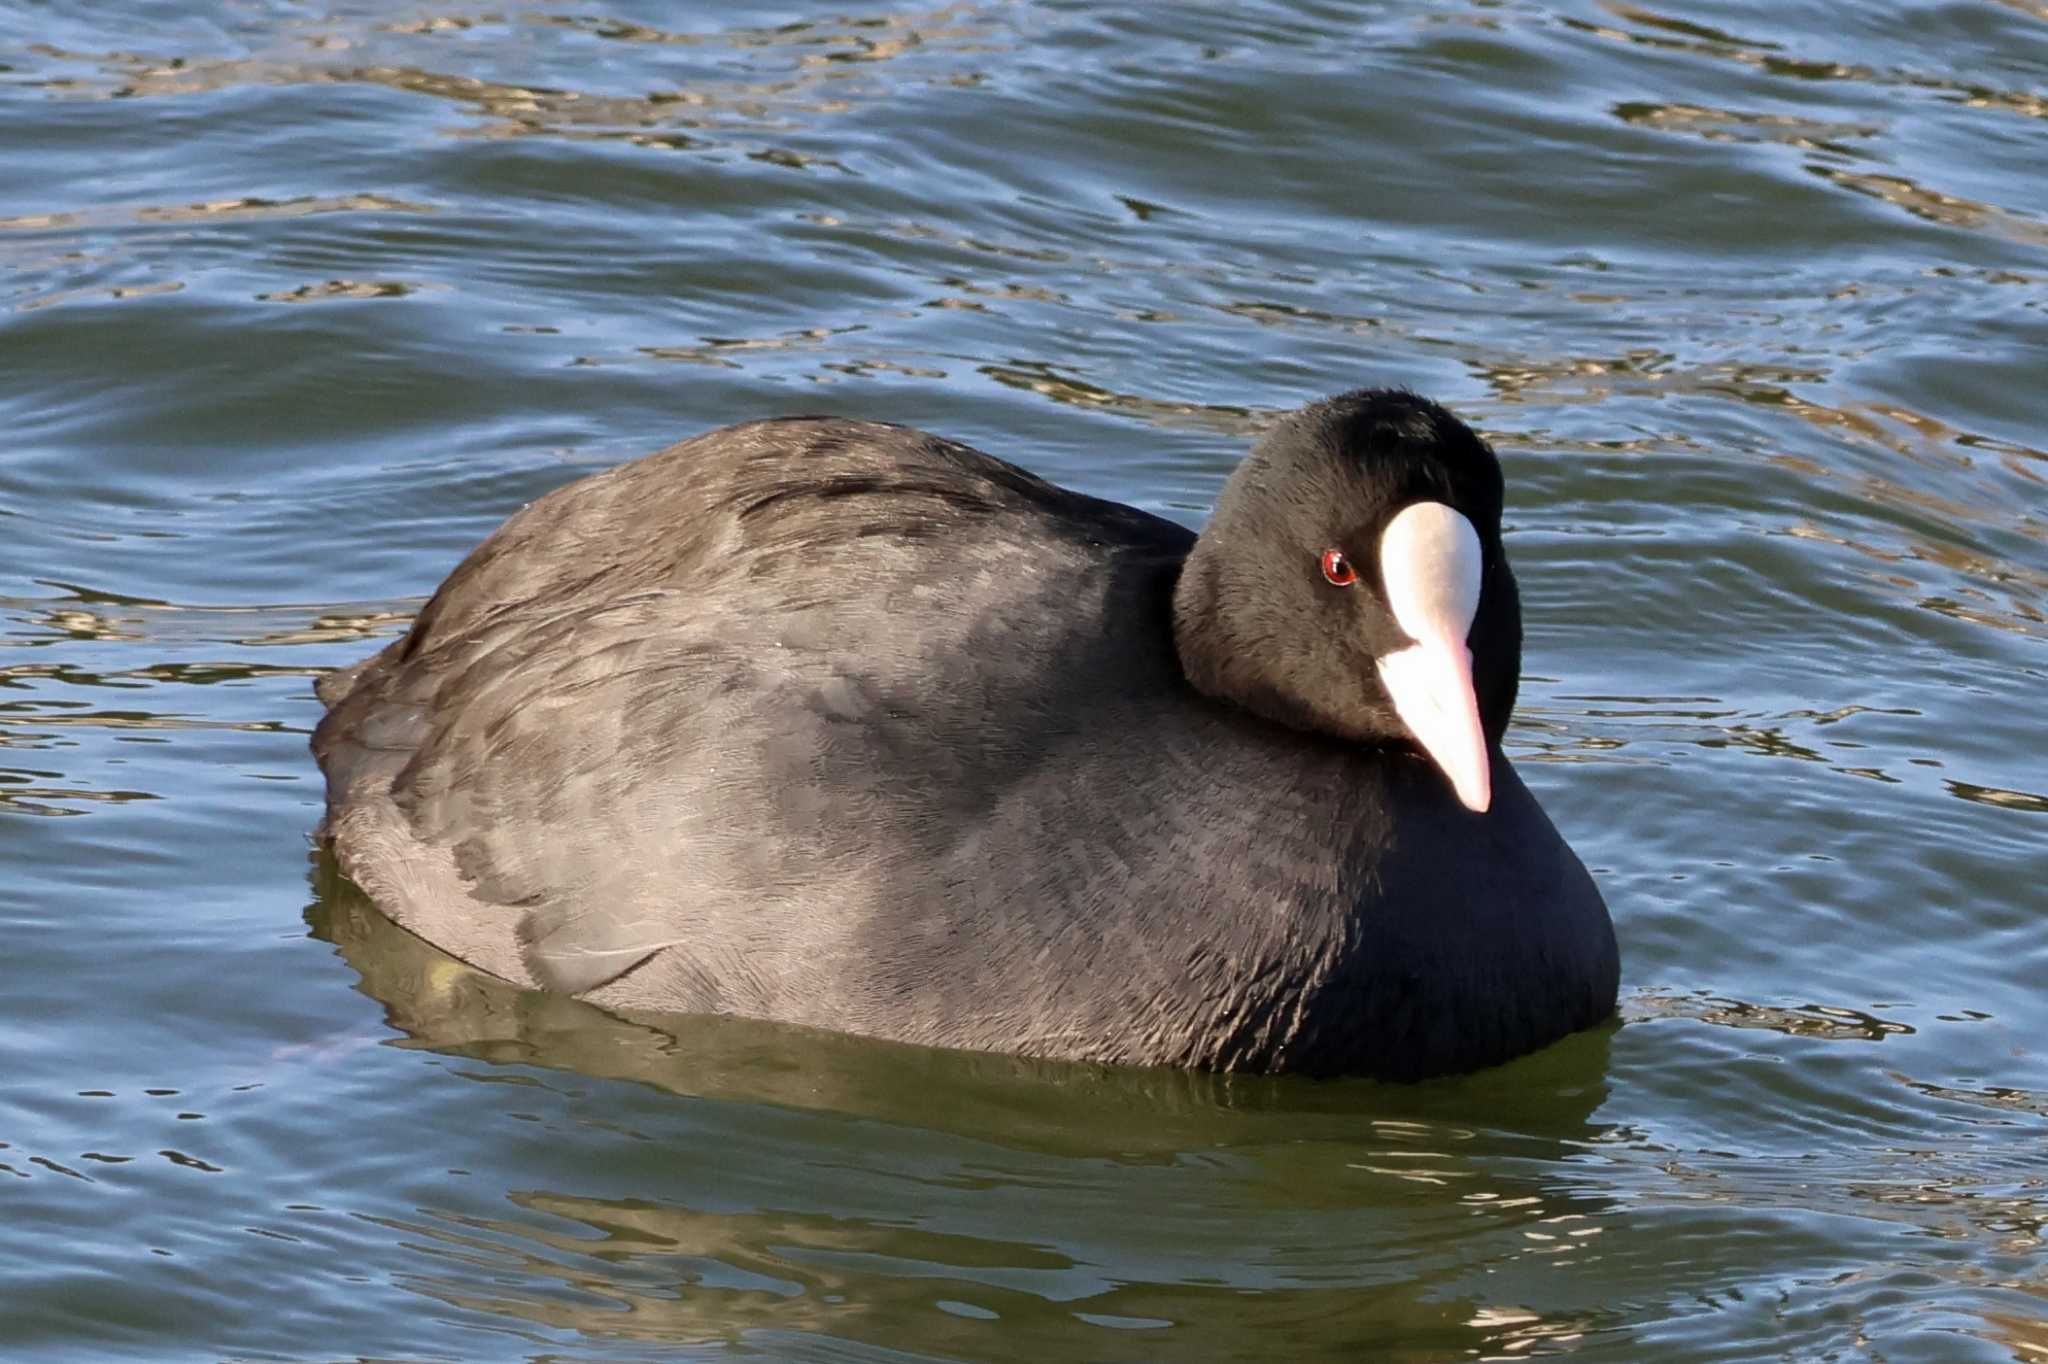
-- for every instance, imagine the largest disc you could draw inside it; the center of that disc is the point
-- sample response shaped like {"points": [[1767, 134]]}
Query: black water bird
{"points": [[842, 724]]}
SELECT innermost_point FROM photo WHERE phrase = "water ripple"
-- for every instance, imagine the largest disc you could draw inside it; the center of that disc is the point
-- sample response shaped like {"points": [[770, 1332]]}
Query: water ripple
{"points": [[297, 302]]}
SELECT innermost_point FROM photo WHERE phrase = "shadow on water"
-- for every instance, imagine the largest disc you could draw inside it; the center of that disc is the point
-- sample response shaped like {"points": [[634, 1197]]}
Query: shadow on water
{"points": [[878, 1192], [442, 1003]]}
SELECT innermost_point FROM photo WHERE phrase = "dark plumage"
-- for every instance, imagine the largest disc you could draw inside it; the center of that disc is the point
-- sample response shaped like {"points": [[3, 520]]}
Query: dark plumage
{"points": [[846, 725]]}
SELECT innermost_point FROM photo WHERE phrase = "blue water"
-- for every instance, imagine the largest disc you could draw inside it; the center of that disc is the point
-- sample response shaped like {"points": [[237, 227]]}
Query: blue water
{"points": [[298, 301]]}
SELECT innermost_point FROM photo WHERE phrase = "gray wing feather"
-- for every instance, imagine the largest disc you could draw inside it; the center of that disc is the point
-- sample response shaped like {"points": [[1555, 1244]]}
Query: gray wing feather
{"points": [[668, 700]]}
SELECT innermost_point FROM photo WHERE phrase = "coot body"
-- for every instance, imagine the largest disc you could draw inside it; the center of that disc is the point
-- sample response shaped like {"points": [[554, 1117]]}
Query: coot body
{"points": [[845, 725]]}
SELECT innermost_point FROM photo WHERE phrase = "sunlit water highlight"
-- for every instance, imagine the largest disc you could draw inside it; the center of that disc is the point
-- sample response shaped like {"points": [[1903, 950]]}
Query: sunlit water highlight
{"points": [[297, 302]]}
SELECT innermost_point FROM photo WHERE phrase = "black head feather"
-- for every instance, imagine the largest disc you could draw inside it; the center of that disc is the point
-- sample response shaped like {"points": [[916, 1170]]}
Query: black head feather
{"points": [[1255, 621]]}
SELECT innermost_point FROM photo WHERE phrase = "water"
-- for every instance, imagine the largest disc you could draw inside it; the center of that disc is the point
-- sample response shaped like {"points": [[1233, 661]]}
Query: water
{"points": [[298, 300]]}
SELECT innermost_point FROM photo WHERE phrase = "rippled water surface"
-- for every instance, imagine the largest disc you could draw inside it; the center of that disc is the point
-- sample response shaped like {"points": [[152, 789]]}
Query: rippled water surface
{"points": [[297, 300]]}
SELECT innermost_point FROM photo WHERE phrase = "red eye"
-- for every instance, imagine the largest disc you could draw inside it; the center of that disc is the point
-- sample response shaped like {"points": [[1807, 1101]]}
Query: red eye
{"points": [[1338, 569]]}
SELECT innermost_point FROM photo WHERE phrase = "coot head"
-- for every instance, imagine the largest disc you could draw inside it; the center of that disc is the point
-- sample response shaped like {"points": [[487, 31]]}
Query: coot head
{"points": [[1352, 582]]}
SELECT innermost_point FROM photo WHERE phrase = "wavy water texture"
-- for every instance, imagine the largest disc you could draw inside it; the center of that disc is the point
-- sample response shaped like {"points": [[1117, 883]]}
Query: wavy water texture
{"points": [[298, 300]]}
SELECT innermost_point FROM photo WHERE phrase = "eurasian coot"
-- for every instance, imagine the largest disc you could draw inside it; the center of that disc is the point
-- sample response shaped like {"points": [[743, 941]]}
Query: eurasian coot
{"points": [[847, 725]]}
